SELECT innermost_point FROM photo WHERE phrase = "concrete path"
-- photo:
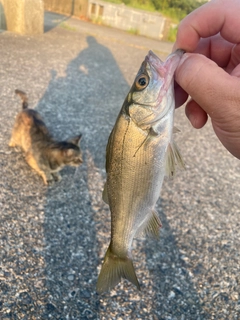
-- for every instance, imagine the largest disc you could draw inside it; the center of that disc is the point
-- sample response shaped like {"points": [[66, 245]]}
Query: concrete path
{"points": [[53, 239]]}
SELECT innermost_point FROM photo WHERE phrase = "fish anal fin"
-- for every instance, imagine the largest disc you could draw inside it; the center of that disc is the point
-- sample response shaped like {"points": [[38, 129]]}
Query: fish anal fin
{"points": [[105, 194], [115, 268], [173, 158], [151, 226]]}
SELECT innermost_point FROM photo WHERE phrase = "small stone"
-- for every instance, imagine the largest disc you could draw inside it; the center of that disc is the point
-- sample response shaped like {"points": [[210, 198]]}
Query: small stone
{"points": [[171, 295], [71, 277], [86, 294], [50, 307], [24, 300], [234, 296]]}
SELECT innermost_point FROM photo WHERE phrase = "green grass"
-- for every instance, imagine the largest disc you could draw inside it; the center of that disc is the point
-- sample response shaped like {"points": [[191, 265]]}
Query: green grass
{"points": [[97, 20], [114, 1], [172, 34], [143, 5], [133, 31], [176, 15], [66, 26]]}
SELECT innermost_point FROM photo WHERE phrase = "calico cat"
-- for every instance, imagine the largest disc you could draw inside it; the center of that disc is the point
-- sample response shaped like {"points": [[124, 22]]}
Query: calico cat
{"points": [[44, 154]]}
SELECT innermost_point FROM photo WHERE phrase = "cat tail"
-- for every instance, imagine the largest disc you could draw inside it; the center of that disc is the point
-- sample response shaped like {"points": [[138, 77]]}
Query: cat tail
{"points": [[114, 268], [24, 98]]}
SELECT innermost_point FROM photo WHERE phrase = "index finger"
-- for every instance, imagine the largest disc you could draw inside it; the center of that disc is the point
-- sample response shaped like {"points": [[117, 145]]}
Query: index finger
{"points": [[208, 20]]}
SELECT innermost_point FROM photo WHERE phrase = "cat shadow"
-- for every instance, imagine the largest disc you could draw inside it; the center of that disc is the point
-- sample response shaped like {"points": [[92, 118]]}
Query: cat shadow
{"points": [[87, 99]]}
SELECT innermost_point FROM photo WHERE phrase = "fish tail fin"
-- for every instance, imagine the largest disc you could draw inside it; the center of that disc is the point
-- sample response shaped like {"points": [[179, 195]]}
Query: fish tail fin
{"points": [[24, 98], [113, 269]]}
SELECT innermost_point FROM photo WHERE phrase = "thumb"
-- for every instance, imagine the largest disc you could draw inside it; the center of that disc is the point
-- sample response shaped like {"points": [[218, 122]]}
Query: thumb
{"points": [[213, 89]]}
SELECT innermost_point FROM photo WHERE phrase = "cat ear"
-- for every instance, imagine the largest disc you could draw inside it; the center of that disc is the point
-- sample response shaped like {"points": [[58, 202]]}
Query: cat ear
{"points": [[75, 140]]}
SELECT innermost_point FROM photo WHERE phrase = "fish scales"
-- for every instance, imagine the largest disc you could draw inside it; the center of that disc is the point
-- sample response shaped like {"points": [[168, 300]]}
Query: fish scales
{"points": [[139, 148]]}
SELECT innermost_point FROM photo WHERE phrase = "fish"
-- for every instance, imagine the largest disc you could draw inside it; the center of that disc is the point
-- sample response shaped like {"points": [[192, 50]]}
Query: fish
{"points": [[139, 153]]}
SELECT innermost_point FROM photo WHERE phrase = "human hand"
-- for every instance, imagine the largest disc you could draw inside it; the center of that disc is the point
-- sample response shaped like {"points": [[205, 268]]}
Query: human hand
{"points": [[210, 73]]}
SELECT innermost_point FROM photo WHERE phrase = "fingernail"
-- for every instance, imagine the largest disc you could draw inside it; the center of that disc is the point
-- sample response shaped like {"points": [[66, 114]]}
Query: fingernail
{"points": [[184, 57]]}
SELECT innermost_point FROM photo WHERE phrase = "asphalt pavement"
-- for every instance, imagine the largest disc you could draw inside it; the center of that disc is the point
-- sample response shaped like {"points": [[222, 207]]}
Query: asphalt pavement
{"points": [[53, 238]]}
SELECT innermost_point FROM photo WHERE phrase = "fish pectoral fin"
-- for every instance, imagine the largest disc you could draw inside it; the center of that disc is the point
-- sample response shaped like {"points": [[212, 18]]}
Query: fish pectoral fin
{"points": [[173, 158], [113, 269], [105, 194], [151, 226]]}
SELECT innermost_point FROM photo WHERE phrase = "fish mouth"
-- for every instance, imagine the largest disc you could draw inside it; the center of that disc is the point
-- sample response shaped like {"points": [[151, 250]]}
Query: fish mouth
{"points": [[163, 67], [153, 58]]}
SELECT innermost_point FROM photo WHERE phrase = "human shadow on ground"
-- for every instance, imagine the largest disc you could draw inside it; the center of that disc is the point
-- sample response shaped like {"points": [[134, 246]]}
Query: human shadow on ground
{"points": [[87, 99], [84, 100]]}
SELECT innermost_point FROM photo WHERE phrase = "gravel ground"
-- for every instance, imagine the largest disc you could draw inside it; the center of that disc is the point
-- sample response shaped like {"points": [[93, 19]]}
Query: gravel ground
{"points": [[53, 239]]}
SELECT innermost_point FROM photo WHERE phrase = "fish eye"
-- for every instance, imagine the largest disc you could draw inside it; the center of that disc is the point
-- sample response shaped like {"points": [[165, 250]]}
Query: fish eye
{"points": [[141, 82]]}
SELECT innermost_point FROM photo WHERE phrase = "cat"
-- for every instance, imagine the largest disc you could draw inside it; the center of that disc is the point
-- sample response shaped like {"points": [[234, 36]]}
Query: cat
{"points": [[43, 153]]}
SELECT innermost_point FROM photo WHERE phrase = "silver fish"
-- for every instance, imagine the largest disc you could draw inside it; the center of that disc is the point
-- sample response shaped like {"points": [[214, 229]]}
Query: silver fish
{"points": [[139, 152]]}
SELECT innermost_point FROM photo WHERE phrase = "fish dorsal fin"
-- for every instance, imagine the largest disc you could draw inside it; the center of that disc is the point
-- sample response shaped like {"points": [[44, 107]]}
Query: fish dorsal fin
{"points": [[105, 194], [173, 158], [151, 227]]}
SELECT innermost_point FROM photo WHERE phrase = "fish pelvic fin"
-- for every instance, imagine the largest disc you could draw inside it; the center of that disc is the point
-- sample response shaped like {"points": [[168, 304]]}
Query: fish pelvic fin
{"points": [[173, 158], [113, 269], [105, 194]]}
